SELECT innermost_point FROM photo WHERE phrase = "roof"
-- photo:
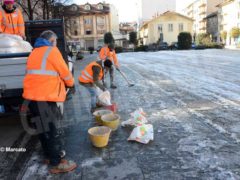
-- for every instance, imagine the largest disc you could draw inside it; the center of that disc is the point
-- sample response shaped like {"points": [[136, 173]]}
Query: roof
{"points": [[80, 9], [164, 14], [224, 3]]}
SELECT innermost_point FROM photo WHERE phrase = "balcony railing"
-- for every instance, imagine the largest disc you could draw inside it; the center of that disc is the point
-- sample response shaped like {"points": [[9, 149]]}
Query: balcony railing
{"points": [[202, 5], [202, 13]]}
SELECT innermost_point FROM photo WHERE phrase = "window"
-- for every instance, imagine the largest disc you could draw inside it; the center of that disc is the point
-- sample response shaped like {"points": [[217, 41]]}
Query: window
{"points": [[100, 7], [160, 28], [74, 8], [88, 32], [100, 20], [73, 22], [180, 27], [87, 7], [88, 21], [75, 33], [170, 27]]}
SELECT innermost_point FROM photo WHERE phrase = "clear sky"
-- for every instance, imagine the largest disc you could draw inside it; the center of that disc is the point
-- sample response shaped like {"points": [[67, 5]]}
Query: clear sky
{"points": [[128, 10]]}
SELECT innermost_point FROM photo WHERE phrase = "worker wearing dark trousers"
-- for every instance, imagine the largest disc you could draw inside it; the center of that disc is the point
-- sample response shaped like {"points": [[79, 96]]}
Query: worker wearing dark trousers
{"points": [[108, 52], [45, 82], [50, 138]]}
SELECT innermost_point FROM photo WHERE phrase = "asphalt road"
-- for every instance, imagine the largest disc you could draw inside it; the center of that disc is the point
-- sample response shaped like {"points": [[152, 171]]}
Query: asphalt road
{"points": [[192, 99]]}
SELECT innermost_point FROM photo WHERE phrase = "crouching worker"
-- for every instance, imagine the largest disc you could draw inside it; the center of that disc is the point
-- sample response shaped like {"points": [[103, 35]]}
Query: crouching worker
{"points": [[93, 76], [46, 78]]}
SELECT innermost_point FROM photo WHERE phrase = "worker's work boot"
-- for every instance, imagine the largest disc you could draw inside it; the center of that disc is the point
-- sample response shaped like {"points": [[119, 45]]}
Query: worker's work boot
{"points": [[62, 155], [63, 167], [113, 86]]}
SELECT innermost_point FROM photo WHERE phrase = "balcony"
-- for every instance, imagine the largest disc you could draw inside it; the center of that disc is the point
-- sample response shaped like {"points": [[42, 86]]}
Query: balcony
{"points": [[190, 11], [202, 5], [202, 13], [101, 31]]}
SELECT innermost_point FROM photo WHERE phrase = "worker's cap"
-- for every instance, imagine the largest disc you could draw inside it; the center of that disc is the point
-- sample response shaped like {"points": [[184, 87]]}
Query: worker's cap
{"points": [[8, 1]]}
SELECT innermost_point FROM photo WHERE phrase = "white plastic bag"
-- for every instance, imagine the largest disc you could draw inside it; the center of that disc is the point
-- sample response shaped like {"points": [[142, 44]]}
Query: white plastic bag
{"points": [[138, 118], [98, 91], [104, 97], [142, 134], [13, 44]]}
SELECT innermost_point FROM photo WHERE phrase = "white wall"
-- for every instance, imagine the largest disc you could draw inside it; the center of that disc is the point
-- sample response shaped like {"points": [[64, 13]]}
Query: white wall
{"points": [[114, 19]]}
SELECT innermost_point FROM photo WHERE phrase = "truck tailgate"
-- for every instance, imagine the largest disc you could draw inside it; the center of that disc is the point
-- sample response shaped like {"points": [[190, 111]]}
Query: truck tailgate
{"points": [[12, 71]]}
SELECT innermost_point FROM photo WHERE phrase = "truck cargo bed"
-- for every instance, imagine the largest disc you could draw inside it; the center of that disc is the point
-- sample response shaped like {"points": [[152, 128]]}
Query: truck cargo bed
{"points": [[12, 71]]}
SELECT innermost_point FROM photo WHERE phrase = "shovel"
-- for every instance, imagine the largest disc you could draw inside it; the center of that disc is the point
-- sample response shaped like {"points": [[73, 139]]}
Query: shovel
{"points": [[125, 77]]}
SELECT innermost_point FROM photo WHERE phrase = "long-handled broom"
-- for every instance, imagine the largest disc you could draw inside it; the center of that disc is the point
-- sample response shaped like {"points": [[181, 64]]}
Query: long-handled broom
{"points": [[125, 77]]}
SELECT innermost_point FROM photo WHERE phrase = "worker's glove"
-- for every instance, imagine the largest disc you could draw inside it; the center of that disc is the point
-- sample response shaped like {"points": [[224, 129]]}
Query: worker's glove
{"points": [[104, 89], [73, 90], [105, 84]]}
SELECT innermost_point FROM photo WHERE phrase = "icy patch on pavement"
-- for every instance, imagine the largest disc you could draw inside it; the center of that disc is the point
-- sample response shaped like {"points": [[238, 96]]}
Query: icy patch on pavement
{"points": [[91, 161], [34, 167]]}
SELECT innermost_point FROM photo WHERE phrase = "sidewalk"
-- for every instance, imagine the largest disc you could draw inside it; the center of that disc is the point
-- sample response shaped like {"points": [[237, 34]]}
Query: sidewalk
{"points": [[185, 146], [113, 162]]}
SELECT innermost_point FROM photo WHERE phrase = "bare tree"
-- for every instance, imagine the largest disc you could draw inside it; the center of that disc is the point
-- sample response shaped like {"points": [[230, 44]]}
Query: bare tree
{"points": [[39, 9], [29, 7]]}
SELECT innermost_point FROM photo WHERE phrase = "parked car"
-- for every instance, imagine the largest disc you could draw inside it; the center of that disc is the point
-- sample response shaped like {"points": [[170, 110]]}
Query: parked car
{"points": [[79, 56], [193, 45], [173, 46], [163, 46]]}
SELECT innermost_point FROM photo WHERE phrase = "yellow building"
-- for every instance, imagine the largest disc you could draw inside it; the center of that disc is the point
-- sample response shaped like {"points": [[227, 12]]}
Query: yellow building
{"points": [[229, 17], [85, 25], [165, 28], [199, 10]]}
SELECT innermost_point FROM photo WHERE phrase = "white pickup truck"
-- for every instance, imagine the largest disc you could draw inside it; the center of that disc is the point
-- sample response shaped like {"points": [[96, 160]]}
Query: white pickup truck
{"points": [[13, 65]]}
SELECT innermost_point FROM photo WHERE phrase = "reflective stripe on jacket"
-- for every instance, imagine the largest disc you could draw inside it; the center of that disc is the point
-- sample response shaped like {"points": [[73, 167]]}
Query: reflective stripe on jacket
{"points": [[46, 75], [87, 74], [12, 23]]}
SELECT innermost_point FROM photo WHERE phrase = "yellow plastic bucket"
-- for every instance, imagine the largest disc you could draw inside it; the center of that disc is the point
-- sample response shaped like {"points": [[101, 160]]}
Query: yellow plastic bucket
{"points": [[99, 136], [111, 120], [99, 113]]}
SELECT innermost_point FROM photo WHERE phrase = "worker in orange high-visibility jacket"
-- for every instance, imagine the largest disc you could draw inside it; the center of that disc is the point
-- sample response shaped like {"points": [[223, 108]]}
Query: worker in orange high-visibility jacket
{"points": [[45, 82], [11, 19], [108, 52], [93, 76]]}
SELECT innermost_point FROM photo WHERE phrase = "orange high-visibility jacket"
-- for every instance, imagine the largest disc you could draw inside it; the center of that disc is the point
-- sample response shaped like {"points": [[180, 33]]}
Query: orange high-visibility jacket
{"points": [[12, 23], [105, 53], [113, 57], [46, 75], [87, 74]]}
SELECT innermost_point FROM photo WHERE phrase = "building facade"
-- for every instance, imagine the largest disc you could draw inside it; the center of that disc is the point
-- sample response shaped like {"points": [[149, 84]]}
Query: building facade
{"points": [[229, 17], [153, 8], [199, 10], [165, 28], [212, 26], [85, 25], [126, 28]]}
